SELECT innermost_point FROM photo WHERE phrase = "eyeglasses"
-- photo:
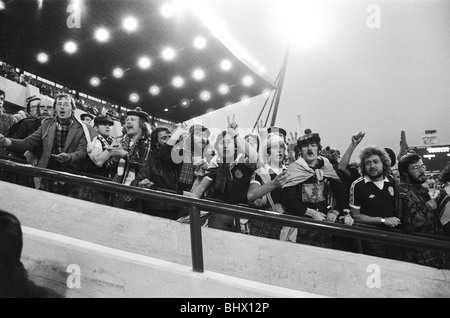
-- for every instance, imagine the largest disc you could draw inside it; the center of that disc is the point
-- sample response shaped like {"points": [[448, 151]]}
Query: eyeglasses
{"points": [[63, 104], [417, 168]]}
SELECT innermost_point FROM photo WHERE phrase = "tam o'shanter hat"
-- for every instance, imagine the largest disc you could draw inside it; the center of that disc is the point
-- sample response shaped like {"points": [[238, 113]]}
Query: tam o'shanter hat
{"points": [[139, 113], [308, 138]]}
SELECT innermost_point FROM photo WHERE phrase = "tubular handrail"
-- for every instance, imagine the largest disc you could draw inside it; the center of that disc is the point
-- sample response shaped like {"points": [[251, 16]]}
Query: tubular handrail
{"points": [[217, 207], [357, 232], [82, 173]]}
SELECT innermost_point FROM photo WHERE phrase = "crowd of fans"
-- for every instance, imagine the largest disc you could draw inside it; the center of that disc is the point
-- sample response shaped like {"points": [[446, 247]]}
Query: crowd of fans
{"points": [[264, 169], [9, 72]]}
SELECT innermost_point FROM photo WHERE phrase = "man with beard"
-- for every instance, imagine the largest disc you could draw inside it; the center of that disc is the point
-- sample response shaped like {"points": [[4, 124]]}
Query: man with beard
{"points": [[188, 151], [160, 174], [313, 189], [372, 199], [419, 214]]}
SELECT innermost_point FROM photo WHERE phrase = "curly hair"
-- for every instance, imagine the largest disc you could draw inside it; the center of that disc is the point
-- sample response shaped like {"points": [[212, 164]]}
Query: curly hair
{"points": [[369, 151], [444, 176]]}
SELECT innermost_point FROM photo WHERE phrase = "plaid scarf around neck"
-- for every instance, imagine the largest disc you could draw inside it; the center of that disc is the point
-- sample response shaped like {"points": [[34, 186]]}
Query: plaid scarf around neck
{"points": [[62, 130], [187, 169], [105, 141]]}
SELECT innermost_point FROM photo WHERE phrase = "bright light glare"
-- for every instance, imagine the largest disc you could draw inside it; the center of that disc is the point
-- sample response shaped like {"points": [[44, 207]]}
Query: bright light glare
{"points": [[178, 81], [134, 98], [102, 35], [248, 81], [198, 74], [42, 58], [225, 65], [224, 89], [185, 103], [303, 23], [130, 24], [154, 90], [205, 96], [70, 47], [144, 63], [2, 5], [168, 10], [200, 42], [118, 72], [168, 54], [95, 81]]}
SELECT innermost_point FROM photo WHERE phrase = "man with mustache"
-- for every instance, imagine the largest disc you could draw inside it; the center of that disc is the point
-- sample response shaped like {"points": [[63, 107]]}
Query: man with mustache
{"points": [[313, 189], [419, 214], [372, 199]]}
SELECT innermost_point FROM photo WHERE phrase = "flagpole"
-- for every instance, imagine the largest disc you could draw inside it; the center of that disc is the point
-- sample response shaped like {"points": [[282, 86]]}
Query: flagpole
{"points": [[280, 84]]}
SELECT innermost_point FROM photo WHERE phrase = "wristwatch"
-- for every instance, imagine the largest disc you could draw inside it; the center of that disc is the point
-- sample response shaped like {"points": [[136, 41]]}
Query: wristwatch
{"points": [[383, 220]]}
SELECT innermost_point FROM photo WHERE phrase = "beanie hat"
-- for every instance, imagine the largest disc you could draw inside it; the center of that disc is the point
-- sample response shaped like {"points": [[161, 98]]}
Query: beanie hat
{"points": [[30, 100]]}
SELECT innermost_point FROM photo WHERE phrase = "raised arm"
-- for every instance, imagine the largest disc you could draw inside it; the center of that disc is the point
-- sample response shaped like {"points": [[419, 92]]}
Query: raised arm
{"points": [[242, 146], [345, 161]]}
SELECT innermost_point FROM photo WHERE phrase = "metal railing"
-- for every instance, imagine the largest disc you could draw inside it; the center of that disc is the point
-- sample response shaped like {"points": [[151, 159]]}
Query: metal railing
{"points": [[197, 205]]}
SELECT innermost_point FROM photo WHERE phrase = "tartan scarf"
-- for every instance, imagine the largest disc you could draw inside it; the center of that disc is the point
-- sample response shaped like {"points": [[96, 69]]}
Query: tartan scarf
{"points": [[138, 155], [105, 141], [299, 171], [187, 169], [110, 163], [62, 130]]}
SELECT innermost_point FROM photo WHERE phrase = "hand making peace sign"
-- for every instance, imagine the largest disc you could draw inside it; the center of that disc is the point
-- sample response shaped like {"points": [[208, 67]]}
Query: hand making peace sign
{"points": [[232, 126]]}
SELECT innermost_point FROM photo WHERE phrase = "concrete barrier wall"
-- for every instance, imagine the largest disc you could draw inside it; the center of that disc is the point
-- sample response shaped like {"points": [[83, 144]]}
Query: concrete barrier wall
{"points": [[16, 93], [292, 266], [76, 268]]}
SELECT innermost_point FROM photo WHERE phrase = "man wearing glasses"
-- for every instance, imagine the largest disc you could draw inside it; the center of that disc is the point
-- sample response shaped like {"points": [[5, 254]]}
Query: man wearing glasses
{"points": [[418, 212], [60, 141]]}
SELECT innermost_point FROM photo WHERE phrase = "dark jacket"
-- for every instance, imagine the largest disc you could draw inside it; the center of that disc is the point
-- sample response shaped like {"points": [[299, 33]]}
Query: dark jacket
{"points": [[162, 172]]}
